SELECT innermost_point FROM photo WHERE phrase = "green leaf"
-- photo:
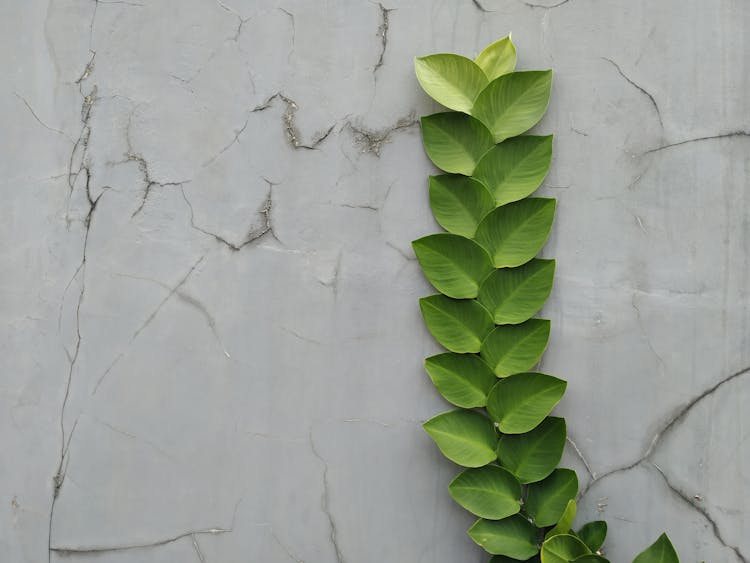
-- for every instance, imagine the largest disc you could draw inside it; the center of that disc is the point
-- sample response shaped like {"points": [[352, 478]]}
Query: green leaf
{"points": [[521, 401], [566, 521], [504, 559], [514, 102], [514, 233], [459, 203], [510, 349], [547, 499], [464, 437], [590, 558], [514, 537], [516, 167], [454, 264], [455, 142], [562, 548], [463, 379], [498, 59], [534, 455], [489, 492], [513, 295], [459, 325], [451, 80], [593, 534], [661, 551]]}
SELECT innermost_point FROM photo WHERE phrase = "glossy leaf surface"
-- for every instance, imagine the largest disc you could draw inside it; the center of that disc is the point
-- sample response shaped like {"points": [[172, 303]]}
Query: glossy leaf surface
{"points": [[515, 168], [514, 295], [464, 437], [459, 203], [547, 499], [534, 455], [593, 534], [562, 548], [514, 537], [451, 80], [510, 349], [455, 142], [661, 551], [514, 102], [498, 58], [514, 233], [459, 325], [489, 492], [463, 379]]}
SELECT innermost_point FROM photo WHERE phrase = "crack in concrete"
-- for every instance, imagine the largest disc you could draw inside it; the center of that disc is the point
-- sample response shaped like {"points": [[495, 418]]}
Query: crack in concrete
{"points": [[679, 415], [580, 455], [325, 500], [39, 119], [63, 550], [693, 503], [285, 548], [638, 87], [530, 5], [197, 548], [372, 141], [481, 8], [254, 234], [730, 135], [383, 34], [644, 332], [290, 127], [148, 321]]}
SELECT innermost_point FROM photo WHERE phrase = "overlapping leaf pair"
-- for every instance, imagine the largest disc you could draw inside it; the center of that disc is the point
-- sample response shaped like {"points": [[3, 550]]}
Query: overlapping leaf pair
{"points": [[490, 287]]}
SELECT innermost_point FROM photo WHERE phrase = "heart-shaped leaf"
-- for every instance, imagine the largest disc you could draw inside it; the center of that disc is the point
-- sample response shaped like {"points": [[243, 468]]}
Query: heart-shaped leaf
{"points": [[510, 349], [455, 142], [514, 537], [489, 492], [459, 203], [464, 437], [463, 379], [520, 402], [514, 295], [451, 80], [459, 325], [498, 58], [514, 102], [454, 264], [547, 499], [593, 534], [565, 523], [516, 167], [514, 233], [562, 548], [534, 455], [661, 551]]}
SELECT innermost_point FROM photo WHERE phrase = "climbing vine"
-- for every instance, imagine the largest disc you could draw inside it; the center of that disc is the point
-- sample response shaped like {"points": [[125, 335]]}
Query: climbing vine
{"points": [[491, 286]]}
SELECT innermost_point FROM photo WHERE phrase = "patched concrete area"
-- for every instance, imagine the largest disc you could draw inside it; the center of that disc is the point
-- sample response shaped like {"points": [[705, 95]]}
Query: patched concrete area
{"points": [[212, 347]]}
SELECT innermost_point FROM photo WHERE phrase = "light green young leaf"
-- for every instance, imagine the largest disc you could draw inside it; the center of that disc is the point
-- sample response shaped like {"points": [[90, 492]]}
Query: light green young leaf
{"points": [[515, 168], [547, 499], [459, 325], [534, 455], [510, 349], [661, 551], [514, 537], [562, 548], [489, 492], [463, 379], [455, 265], [464, 437], [514, 102], [459, 203], [498, 59], [514, 295], [520, 402], [455, 142], [566, 521], [451, 80], [593, 534], [514, 233]]}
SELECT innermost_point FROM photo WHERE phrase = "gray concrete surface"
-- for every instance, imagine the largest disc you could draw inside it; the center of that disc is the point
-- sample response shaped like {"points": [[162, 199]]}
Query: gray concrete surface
{"points": [[209, 302]]}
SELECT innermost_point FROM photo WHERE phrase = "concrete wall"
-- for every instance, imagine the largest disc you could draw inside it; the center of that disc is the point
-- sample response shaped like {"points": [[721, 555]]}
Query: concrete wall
{"points": [[209, 301]]}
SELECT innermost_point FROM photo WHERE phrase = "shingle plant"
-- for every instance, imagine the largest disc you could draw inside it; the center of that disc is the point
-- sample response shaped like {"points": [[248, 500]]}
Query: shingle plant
{"points": [[490, 286]]}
